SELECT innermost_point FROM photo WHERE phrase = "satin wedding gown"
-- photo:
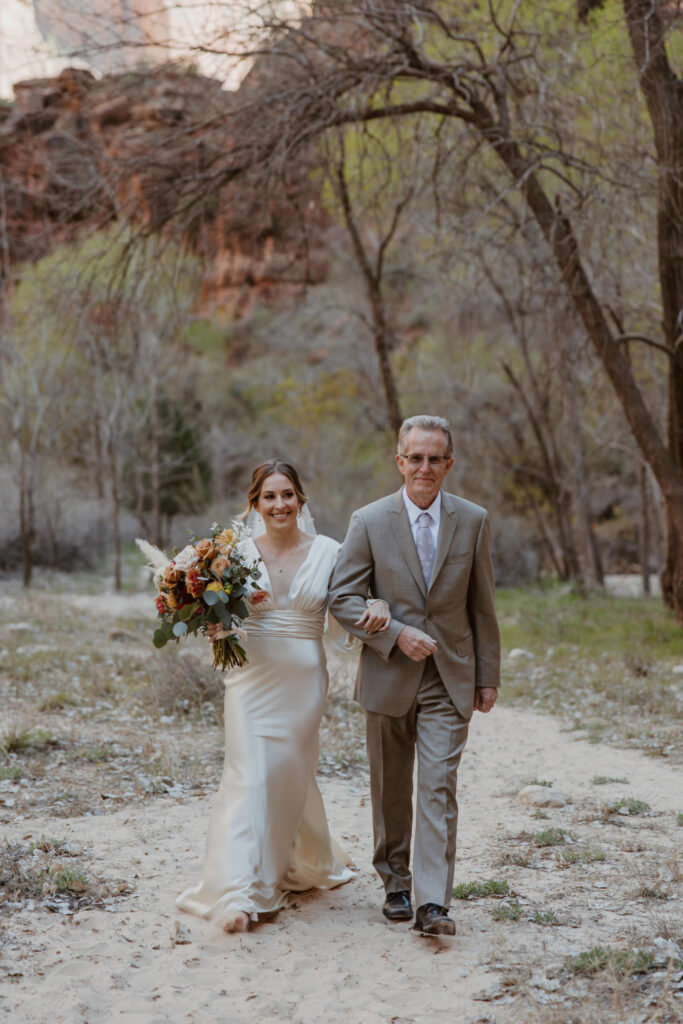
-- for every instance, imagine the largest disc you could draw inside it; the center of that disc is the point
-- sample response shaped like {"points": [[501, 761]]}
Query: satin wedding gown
{"points": [[268, 833]]}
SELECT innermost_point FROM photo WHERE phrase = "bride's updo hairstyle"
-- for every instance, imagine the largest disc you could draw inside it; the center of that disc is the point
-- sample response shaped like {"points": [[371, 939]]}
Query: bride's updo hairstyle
{"points": [[261, 474]]}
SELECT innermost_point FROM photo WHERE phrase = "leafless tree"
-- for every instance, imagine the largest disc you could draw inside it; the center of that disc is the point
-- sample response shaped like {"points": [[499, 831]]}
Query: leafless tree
{"points": [[354, 61]]}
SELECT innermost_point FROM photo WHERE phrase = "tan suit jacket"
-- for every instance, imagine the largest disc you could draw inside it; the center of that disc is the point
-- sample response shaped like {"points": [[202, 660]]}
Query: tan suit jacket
{"points": [[379, 559]]}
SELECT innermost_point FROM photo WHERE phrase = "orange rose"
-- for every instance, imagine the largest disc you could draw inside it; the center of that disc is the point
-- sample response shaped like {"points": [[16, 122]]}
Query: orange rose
{"points": [[219, 564], [206, 549], [171, 576], [257, 596]]}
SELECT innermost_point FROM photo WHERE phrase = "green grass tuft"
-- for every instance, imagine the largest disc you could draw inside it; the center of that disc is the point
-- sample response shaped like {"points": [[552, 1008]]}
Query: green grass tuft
{"points": [[507, 912], [23, 742], [96, 754], [545, 917], [479, 890], [552, 837], [603, 780], [629, 804], [582, 856], [605, 958], [57, 701], [70, 880]]}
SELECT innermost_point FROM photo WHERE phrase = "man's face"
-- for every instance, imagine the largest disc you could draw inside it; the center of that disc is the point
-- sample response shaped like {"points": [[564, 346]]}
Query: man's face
{"points": [[423, 479]]}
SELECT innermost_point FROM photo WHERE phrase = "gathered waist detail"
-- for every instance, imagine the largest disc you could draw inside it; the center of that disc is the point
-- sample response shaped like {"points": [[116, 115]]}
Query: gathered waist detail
{"points": [[301, 625]]}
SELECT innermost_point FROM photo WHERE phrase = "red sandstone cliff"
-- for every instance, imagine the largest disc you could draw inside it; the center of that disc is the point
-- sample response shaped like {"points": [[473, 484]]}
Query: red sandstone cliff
{"points": [[76, 153]]}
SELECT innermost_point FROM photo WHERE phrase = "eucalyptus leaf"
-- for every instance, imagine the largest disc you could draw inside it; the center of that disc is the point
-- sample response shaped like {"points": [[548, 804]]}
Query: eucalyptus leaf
{"points": [[211, 598], [180, 629], [188, 611], [159, 639], [222, 596], [240, 609], [224, 616]]}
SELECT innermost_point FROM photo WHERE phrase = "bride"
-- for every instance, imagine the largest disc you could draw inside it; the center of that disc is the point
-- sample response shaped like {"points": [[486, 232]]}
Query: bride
{"points": [[268, 832]]}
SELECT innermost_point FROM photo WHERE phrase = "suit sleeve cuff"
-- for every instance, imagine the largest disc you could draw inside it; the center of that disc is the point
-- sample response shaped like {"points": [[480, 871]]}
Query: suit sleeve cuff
{"points": [[384, 643]]}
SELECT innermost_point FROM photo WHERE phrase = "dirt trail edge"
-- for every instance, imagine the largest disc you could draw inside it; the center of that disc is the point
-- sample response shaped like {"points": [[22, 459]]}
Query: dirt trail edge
{"points": [[598, 870]]}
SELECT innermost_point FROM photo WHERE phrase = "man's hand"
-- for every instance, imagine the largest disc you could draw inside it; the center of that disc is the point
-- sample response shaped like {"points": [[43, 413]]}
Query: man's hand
{"points": [[415, 644], [485, 698], [376, 617]]}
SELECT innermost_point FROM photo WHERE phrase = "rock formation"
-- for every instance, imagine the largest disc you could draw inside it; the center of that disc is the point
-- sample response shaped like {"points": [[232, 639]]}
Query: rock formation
{"points": [[77, 153]]}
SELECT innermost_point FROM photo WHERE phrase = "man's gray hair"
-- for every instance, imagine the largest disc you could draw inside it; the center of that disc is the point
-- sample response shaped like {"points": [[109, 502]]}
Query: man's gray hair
{"points": [[425, 423]]}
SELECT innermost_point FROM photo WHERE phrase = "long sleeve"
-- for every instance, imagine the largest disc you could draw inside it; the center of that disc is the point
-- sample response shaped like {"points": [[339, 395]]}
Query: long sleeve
{"points": [[481, 604], [351, 585]]}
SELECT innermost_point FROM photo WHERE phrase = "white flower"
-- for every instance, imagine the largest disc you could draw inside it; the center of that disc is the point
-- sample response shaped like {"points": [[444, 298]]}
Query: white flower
{"points": [[186, 559]]}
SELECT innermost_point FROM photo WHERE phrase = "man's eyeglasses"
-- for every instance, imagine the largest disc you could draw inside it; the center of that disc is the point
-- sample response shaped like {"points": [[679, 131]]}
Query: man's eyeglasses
{"points": [[417, 460]]}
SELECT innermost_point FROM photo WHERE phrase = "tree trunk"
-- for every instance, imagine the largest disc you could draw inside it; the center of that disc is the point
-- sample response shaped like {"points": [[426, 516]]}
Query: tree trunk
{"points": [[666, 464], [543, 530], [115, 513], [381, 332], [382, 338], [664, 98], [26, 520], [98, 456], [590, 559], [155, 466], [555, 489], [644, 529]]}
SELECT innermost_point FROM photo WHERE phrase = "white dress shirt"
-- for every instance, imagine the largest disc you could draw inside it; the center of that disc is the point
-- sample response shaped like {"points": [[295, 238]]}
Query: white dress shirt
{"points": [[414, 511]]}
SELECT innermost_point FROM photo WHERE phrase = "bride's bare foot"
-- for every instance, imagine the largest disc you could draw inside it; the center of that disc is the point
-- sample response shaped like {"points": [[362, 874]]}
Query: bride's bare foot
{"points": [[236, 921]]}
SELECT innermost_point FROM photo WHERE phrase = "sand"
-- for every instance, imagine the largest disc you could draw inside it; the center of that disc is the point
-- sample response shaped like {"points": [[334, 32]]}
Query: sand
{"points": [[331, 956]]}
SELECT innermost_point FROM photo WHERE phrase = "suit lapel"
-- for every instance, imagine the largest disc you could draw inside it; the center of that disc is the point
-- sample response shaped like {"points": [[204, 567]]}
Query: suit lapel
{"points": [[400, 525], [449, 521]]}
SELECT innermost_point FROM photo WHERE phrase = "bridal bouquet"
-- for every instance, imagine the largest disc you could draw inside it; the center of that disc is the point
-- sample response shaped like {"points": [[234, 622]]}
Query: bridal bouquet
{"points": [[204, 583]]}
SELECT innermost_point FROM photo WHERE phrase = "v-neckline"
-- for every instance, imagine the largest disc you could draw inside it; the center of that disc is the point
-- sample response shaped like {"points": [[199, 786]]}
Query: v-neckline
{"points": [[264, 569]]}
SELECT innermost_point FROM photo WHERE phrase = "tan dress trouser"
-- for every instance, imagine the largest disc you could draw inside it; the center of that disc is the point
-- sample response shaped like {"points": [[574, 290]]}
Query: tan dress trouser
{"points": [[438, 732]]}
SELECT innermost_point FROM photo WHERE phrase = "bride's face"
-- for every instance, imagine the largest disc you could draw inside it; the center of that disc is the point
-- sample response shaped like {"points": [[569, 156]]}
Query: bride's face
{"points": [[278, 503]]}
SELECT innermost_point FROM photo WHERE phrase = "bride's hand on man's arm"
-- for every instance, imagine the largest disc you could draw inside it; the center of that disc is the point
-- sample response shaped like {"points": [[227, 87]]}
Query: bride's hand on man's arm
{"points": [[376, 617]]}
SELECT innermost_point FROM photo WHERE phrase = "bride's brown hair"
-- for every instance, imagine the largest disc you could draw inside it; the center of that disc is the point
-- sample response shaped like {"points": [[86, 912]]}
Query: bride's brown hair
{"points": [[261, 474]]}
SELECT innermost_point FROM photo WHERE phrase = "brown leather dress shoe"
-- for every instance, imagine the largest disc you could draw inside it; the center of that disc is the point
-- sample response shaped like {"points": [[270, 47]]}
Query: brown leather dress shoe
{"points": [[397, 906], [431, 919]]}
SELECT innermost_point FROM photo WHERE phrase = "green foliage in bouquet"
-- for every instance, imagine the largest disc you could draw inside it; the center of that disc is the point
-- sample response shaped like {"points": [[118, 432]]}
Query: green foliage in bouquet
{"points": [[205, 583]]}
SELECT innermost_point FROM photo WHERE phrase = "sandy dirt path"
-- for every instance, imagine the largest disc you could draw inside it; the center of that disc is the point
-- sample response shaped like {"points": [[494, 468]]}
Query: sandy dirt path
{"points": [[330, 956]]}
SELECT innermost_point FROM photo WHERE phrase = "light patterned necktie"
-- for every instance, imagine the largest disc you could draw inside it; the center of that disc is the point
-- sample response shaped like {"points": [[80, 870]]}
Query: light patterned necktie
{"points": [[425, 545]]}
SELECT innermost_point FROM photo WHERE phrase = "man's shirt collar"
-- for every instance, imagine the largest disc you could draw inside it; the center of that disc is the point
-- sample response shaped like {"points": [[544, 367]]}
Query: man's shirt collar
{"points": [[414, 510]]}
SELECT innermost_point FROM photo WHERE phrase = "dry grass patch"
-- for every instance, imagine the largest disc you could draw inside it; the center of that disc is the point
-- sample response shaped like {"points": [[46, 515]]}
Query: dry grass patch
{"points": [[588, 664], [45, 873], [183, 682]]}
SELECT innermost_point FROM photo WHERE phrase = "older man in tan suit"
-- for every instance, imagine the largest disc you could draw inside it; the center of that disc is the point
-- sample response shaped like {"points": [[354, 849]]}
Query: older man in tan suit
{"points": [[427, 553]]}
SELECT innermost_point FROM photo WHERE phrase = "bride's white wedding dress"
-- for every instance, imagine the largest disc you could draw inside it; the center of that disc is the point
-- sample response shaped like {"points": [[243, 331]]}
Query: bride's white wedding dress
{"points": [[268, 832]]}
